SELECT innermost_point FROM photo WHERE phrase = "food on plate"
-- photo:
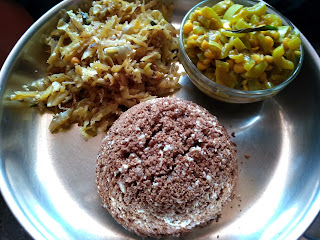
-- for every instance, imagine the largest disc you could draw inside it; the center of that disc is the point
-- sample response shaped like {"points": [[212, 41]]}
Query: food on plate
{"points": [[166, 166], [246, 60], [104, 61]]}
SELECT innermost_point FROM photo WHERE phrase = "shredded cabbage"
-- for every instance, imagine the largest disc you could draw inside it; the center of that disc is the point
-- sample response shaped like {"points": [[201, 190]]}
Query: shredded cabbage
{"points": [[103, 62]]}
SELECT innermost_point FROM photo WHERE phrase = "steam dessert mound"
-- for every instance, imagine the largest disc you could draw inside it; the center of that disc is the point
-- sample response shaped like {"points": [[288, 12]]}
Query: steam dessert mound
{"points": [[166, 166]]}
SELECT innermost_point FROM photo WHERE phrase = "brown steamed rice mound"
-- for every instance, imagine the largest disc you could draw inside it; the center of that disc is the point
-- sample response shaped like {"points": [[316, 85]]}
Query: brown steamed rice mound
{"points": [[165, 167]]}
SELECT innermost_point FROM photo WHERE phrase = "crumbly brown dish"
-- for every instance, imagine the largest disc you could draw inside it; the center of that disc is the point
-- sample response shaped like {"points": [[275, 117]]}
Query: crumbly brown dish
{"points": [[165, 167]]}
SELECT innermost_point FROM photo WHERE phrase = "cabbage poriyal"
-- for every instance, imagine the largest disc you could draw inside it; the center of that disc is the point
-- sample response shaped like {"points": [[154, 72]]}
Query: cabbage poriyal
{"points": [[251, 60], [104, 61]]}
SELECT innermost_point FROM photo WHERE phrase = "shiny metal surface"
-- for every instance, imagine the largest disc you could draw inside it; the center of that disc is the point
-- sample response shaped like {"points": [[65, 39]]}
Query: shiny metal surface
{"points": [[48, 180]]}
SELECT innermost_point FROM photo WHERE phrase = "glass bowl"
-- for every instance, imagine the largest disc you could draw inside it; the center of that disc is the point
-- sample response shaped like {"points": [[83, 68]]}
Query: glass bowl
{"points": [[221, 92]]}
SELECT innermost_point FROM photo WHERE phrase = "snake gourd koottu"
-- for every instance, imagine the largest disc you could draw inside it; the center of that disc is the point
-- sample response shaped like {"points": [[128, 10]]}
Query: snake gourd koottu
{"points": [[245, 61]]}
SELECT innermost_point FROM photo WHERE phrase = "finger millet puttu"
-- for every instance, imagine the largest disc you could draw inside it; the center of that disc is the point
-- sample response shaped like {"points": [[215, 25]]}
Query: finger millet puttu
{"points": [[166, 166]]}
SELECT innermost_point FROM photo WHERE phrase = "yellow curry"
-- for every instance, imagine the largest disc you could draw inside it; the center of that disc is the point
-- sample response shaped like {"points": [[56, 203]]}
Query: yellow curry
{"points": [[246, 61]]}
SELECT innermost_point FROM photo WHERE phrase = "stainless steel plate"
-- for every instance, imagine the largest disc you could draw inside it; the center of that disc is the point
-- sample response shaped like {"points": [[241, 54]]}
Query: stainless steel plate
{"points": [[48, 180]]}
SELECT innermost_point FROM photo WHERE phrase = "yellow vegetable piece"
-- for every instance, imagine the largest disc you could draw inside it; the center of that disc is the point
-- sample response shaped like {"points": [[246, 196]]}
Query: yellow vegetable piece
{"points": [[279, 60], [274, 34], [221, 7], [187, 28], [294, 43], [209, 54], [209, 73], [205, 22], [201, 56], [224, 76], [263, 43], [226, 25], [269, 41], [249, 63], [205, 45], [254, 19], [256, 58], [214, 46], [239, 68], [237, 58], [202, 66], [197, 12], [254, 42], [232, 11], [238, 44], [277, 78], [206, 61], [297, 53], [75, 60], [268, 85], [191, 43], [259, 9], [289, 55], [285, 42], [193, 17], [231, 63], [253, 85], [242, 14], [283, 31], [246, 43], [296, 32], [199, 30], [263, 77], [257, 70], [226, 49], [224, 39], [268, 58], [272, 19], [209, 13], [242, 24]]}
